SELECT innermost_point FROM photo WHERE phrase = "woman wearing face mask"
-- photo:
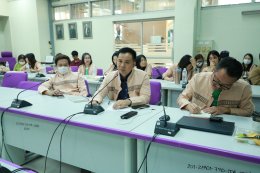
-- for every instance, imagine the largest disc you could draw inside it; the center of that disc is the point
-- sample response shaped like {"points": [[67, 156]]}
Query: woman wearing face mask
{"points": [[248, 65], [87, 67], [199, 62], [185, 62], [21, 65], [212, 61], [141, 63], [64, 81]]}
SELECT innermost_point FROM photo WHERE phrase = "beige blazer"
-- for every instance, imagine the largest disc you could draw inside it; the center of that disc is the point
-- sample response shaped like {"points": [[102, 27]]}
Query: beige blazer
{"points": [[70, 83], [138, 87], [199, 91]]}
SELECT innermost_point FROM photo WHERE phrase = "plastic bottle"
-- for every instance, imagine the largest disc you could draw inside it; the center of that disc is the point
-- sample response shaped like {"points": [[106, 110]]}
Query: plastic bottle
{"points": [[7, 64], [184, 76]]}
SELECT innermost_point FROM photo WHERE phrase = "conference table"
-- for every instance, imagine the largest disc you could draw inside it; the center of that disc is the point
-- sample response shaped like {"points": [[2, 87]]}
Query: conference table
{"points": [[105, 143], [170, 91], [99, 143], [191, 151], [11, 166]]}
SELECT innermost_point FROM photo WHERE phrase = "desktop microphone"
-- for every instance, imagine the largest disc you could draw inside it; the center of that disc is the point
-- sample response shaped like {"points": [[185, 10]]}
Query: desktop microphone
{"points": [[96, 109], [22, 103], [164, 117], [165, 128]]}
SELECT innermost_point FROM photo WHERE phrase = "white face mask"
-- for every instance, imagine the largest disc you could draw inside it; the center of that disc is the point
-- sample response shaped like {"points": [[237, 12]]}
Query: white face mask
{"points": [[199, 64], [247, 61], [21, 62], [63, 69]]}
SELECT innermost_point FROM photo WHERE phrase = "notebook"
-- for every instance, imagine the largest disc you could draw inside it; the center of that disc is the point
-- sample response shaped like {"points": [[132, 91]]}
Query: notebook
{"points": [[203, 124]]}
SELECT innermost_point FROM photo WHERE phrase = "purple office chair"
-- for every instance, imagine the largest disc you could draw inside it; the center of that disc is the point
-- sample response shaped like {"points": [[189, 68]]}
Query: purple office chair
{"points": [[7, 56], [13, 78], [86, 83], [155, 98], [48, 69], [30, 85], [99, 72], [157, 72], [74, 68]]}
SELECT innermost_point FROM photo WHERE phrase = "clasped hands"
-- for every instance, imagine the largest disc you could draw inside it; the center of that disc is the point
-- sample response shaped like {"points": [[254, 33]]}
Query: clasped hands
{"points": [[119, 104]]}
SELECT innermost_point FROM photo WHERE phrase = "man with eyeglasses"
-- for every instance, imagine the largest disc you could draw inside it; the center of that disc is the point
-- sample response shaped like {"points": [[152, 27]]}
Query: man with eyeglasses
{"points": [[219, 92]]}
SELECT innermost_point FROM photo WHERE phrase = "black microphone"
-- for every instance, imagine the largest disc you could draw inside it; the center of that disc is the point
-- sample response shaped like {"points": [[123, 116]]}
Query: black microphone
{"points": [[22, 103], [164, 117], [165, 128], [96, 109]]}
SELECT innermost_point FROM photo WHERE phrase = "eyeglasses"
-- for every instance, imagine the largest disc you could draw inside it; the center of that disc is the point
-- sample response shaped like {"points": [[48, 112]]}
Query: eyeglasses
{"points": [[220, 85]]}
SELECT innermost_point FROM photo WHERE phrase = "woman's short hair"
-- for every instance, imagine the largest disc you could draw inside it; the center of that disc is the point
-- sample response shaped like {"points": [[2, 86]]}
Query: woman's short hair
{"points": [[61, 56]]}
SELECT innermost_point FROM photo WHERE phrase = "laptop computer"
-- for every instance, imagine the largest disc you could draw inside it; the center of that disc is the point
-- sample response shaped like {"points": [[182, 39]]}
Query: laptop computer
{"points": [[204, 124]]}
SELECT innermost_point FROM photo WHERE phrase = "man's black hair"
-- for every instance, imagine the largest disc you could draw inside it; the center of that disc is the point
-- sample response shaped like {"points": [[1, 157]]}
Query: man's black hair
{"points": [[74, 53], [128, 50], [233, 67]]}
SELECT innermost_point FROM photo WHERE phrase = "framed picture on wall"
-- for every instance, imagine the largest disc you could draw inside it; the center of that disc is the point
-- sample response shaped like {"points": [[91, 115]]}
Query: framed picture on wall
{"points": [[73, 34], [87, 29], [59, 31]]}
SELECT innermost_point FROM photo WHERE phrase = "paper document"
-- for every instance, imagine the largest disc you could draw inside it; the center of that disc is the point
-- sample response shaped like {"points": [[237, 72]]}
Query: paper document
{"points": [[201, 115]]}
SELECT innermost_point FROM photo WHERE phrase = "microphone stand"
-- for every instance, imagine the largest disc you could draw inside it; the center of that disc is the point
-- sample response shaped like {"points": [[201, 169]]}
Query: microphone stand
{"points": [[165, 128], [96, 109], [22, 103]]}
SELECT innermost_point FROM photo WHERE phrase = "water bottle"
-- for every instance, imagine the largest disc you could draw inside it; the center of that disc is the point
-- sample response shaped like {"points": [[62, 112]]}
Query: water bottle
{"points": [[177, 75], [7, 64], [184, 77]]}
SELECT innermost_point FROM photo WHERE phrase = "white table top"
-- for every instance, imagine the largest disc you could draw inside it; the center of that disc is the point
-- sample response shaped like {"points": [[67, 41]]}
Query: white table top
{"points": [[91, 79], [203, 141], [56, 109]]}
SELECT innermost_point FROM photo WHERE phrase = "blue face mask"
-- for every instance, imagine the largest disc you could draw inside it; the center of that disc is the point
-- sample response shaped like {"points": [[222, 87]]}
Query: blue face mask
{"points": [[63, 69]]}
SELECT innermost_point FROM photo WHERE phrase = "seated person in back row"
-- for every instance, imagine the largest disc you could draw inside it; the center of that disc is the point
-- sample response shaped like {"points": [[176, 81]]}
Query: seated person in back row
{"points": [[3, 68], [254, 76], [129, 86], [219, 92], [64, 81]]}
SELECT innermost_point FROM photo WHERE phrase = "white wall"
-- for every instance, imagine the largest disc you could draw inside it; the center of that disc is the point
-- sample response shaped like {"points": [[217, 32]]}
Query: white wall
{"points": [[29, 27], [3, 8], [232, 31], [185, 27], [24, 27], [5, 35], [43, 28], [101, 46]]}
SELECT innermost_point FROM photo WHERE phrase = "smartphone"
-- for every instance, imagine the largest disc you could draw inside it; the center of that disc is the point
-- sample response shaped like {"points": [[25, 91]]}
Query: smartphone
{"points": [[128, 114], [140, 106]]}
